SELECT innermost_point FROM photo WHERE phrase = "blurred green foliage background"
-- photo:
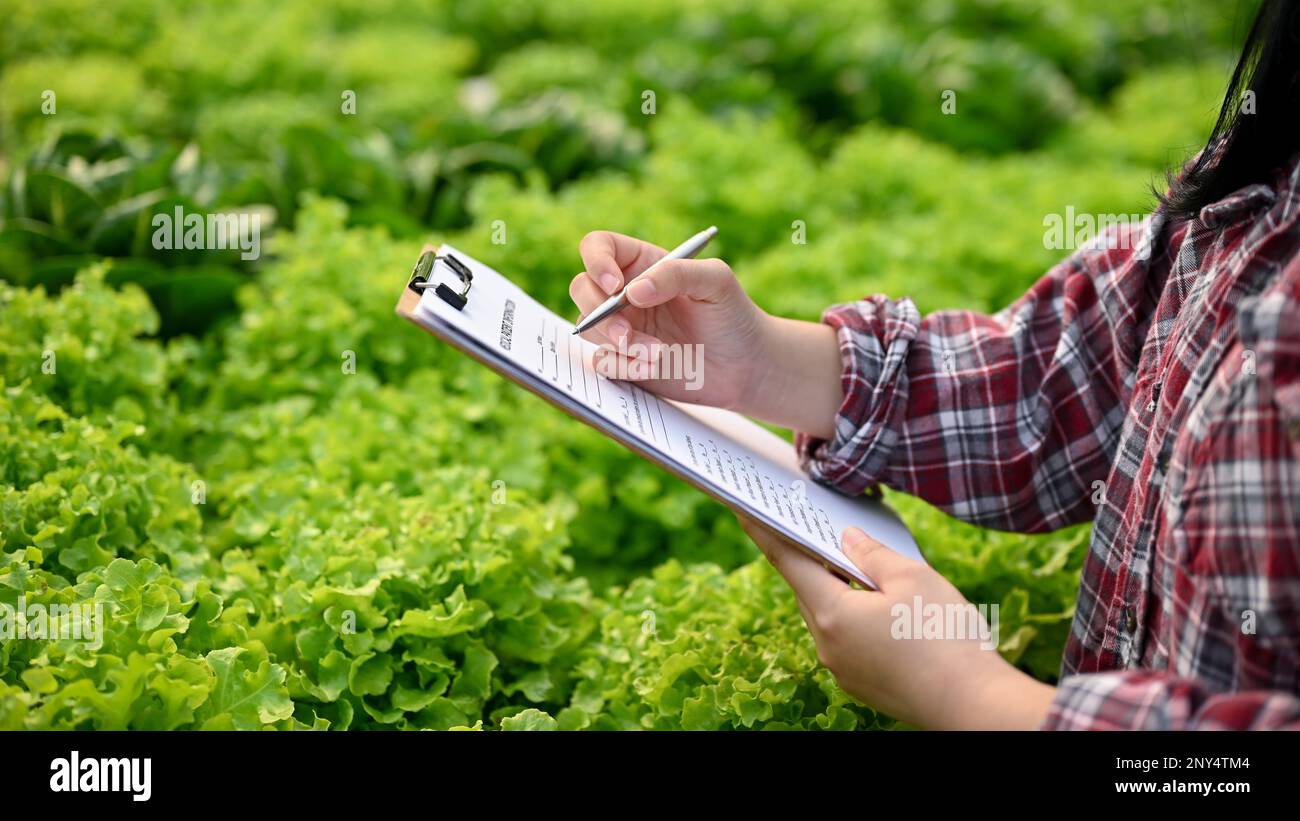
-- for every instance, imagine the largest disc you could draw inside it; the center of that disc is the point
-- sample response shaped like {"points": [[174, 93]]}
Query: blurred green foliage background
{"points": [[327, 493]]}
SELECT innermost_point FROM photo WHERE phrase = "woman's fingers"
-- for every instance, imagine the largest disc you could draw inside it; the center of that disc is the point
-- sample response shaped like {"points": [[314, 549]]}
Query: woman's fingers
{"points": [[600, 252], [882, 565], [613, 366], [706, 280], [816, 587], [618, 328], [593, 335], [634, 358], [616, 331], [585, 294], [610, 258], [588, 297]]}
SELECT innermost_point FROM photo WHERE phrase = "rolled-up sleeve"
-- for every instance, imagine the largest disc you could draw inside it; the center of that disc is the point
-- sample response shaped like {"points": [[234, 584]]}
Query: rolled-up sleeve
{"points": [[1001, 420], [875, 337]]}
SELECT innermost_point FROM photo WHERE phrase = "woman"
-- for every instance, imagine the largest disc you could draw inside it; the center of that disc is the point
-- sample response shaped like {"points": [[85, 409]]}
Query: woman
{"points": [[1150, 383]]}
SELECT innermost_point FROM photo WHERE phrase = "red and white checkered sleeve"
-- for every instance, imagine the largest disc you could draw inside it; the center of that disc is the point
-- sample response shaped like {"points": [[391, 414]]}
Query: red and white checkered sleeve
{"points": [[1147, 700], [1004, 420]]}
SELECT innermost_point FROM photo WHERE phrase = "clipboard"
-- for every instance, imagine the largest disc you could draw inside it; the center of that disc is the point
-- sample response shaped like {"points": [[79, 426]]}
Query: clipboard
{"points": [[418, 286]]}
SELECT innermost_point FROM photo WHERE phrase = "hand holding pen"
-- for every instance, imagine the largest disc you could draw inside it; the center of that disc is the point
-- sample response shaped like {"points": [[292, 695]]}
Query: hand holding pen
{"points": [[619, 301], [695, 311]]}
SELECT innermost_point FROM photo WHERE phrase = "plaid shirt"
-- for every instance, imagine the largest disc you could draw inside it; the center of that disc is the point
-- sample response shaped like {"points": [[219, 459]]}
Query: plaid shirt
{"points": [[1149, 383]]}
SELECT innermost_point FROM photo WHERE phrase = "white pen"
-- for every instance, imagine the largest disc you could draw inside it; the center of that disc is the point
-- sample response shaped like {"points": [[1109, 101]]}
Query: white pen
{"points": [[618, 301]]}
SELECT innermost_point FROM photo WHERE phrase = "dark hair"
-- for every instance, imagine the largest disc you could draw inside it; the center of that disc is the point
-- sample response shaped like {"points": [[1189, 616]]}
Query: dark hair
{"points": [[1257, 127]]}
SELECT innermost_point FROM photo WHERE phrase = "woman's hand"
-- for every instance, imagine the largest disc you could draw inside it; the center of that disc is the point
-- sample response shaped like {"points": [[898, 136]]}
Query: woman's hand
{"points": [[696, 305], [692, 333], [937, 683]]}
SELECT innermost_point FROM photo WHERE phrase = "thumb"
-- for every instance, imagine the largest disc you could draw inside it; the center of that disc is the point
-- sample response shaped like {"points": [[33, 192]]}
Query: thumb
{"points": [[879, 562], [707, 280]]}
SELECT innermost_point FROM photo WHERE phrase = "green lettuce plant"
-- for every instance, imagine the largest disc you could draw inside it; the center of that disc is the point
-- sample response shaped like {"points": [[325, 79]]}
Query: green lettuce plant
{"points": [[295, 511]]}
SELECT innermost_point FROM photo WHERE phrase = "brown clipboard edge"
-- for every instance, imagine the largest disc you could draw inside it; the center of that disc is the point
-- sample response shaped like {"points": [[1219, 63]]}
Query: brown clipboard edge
{"points": [[406, 305]]}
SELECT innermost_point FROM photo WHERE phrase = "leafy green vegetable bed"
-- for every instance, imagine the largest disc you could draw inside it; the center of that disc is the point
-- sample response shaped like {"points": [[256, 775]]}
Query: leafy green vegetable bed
{"points": [[277, 539]]}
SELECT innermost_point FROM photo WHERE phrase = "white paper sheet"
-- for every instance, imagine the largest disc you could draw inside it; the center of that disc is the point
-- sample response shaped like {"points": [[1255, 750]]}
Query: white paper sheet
{"points": [[747, 465]]}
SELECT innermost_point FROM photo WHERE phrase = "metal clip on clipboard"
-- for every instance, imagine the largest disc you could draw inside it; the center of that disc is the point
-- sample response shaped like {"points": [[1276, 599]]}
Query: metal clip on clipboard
{"points": [[424, 269]]}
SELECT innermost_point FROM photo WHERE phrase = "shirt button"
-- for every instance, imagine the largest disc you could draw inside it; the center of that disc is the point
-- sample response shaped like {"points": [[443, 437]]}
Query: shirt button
{"points": [[1130, 619]]}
